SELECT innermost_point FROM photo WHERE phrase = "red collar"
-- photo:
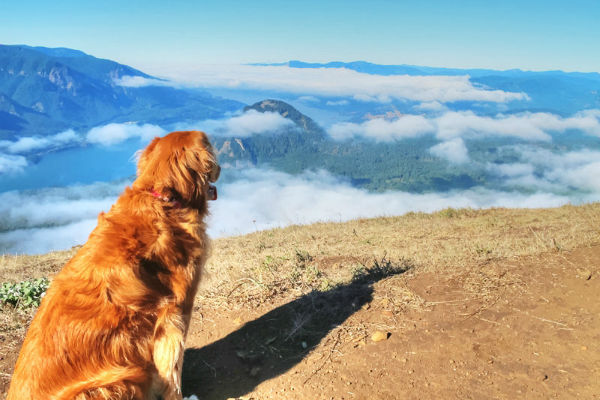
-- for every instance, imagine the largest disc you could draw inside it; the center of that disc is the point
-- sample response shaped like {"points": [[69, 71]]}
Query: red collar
{"points": [[166, 199]]}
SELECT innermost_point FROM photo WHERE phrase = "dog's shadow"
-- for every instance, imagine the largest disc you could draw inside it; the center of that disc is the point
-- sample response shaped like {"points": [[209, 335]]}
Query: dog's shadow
{"points": [[274, 343]]}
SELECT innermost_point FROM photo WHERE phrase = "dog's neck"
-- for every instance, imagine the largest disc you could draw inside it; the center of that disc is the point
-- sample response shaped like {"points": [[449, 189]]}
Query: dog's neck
{"points": [[165, 198]]}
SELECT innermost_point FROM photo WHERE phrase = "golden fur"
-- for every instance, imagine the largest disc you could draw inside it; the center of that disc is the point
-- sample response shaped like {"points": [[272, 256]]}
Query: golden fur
{"points": [[113, 323]]}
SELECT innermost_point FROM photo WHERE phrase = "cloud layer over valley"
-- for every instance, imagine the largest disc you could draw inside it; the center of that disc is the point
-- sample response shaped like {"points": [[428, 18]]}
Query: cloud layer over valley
{"points": [[254, 199], [468, 125], [13, 153], [242, 125], [340, 82]]}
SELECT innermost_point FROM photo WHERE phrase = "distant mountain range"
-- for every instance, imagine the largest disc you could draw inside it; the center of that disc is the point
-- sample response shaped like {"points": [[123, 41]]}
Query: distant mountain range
{"points": [[553, 91], [44, 90]]}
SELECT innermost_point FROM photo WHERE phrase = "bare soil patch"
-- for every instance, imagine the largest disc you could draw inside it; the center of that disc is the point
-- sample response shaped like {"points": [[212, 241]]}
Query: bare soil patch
{"points": [[531, 331]]}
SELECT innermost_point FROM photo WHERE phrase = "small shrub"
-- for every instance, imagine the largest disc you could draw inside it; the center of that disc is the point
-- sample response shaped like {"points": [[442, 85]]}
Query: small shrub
{"points": [[303, 258], [379, 270], [24, 294], [449, 213]]}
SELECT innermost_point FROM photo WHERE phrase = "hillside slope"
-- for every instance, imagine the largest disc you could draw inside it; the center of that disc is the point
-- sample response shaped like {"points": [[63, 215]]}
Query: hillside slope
{"points": [[468, 304], [43, 90]]}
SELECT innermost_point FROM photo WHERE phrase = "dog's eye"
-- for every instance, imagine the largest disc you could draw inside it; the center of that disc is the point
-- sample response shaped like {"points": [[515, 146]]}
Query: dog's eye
{"points": [[214, 173]]}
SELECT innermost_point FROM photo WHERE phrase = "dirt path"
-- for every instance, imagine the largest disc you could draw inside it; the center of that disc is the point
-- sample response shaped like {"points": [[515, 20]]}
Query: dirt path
{"points": [[528, 328], [523, 328]]}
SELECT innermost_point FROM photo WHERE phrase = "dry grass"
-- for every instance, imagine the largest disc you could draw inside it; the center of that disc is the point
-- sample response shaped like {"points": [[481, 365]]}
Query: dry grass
{"points": [[280, 264], [16, 268], [264, 264]]}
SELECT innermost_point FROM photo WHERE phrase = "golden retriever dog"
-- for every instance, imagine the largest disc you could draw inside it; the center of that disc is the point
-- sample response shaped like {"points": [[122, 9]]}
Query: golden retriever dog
{"points": [[113, 323]]}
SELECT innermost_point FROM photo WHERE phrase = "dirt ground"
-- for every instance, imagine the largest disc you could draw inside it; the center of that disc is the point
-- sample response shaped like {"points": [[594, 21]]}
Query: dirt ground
{"points": [[535, 334], [487, 327]]}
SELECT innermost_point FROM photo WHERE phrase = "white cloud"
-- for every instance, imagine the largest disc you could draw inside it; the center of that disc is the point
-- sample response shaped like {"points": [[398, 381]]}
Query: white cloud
{"points": [[46, 239], [139, 81], [582, 176], [254, 199], [53, 218], [335, 82], [309, 99], [453, 151], [254, 122], [431, 106], [467, 125], [529, 126], [246, 124], [318, 196], [337, 102], [108, 135], [10, 164], [511, 170], [379, 129], [29, 143], [541, 169]]}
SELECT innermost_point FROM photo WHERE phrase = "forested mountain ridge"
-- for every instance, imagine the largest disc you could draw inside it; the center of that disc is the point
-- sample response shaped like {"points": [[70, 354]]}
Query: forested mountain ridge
{"points": [[45, 90]]}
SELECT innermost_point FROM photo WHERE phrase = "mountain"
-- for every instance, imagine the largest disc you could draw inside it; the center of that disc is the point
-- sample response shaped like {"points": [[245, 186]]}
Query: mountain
{"points": [[303, 135], [403, 69], [401, 165], [310, 128], [44, 90]]}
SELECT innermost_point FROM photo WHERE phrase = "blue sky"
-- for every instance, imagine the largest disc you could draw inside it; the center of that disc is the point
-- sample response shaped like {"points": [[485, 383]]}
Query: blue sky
{"points": [[154, 35]]}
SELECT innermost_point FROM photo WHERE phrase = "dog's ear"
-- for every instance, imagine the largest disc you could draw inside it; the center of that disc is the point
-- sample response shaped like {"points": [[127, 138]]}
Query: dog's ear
{"points": [[190, 169]]}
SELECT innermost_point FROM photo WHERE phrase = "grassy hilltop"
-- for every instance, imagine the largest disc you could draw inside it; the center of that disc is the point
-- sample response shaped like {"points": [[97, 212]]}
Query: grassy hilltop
{"points": [[462, 301]]}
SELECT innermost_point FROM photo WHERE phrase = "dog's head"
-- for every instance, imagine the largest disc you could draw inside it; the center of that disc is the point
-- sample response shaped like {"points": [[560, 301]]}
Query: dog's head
{"points": [[180, 165]]}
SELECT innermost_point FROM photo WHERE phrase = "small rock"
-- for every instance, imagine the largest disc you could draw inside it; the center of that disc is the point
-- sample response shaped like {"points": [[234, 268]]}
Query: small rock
{"points": [[378, 336], [387, 313], [584, 348], [237, 321], [254, 371], [585, 274]]}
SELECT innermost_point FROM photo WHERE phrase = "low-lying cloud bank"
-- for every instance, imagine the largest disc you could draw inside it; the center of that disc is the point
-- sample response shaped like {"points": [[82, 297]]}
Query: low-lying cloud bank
{"points": [[54, 218], [10, 164], [242, 125], [467, 125], [32, 143], [543, 170], [11, 159], [254, 199], [13, 153], [454, 151], [108, 135], [453, 127], [340, 82]]}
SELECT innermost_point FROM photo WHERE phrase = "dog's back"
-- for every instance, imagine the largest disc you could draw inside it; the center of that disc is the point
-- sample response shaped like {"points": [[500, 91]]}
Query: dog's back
{"points": [[87, 333]]}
